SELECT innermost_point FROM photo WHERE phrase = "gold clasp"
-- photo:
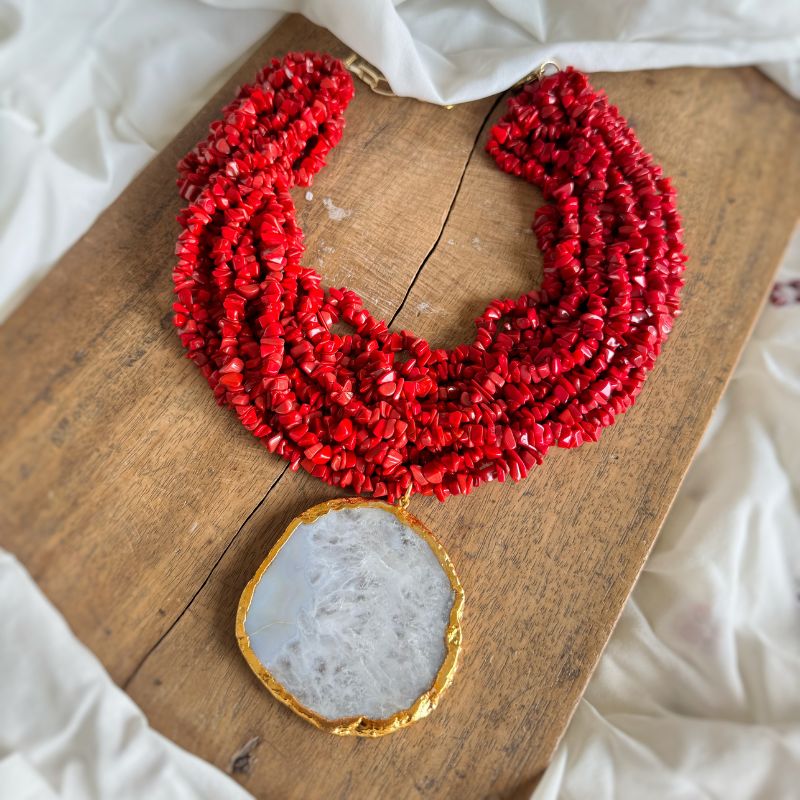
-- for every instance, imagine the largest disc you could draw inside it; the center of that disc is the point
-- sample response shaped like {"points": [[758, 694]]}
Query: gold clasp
{"points": [[374, 79], [367, 73], [538, 73]]}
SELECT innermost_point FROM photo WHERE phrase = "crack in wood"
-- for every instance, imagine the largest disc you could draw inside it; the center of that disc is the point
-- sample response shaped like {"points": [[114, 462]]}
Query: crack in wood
{"points": [[202, 586], [456, 193], [242, 760]]}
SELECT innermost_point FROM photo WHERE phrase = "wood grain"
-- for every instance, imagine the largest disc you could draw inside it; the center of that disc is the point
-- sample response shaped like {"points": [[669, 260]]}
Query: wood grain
{"points": [[142, 509]]}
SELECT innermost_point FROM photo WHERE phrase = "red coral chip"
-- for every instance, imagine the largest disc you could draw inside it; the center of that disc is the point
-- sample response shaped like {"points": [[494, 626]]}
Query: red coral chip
{"points": [[554, 366]]}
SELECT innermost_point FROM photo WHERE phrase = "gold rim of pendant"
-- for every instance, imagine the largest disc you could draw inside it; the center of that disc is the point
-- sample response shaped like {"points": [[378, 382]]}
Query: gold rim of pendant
{"points": [[361, 725]]}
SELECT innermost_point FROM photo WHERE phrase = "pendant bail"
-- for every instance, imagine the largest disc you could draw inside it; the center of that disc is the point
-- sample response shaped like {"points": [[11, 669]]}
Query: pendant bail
{"points": [[404, 501]]}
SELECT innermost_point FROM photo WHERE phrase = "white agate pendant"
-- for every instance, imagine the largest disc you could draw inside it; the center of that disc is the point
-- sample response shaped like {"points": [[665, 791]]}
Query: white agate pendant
{"points": [[353, 620]]}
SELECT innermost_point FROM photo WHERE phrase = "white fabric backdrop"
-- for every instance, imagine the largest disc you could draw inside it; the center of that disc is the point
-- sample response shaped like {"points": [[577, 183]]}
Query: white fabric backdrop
{"points": [[66, 731], [697, 694], [450, 51], [90, 91]]}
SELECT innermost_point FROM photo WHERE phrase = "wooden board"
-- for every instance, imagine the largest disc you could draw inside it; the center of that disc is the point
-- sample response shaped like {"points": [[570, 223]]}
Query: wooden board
{"points": [[142, 509]]}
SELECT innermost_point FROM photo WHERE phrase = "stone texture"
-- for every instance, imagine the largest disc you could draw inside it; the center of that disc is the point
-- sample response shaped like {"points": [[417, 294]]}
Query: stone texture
{"points": [[351, 614]]}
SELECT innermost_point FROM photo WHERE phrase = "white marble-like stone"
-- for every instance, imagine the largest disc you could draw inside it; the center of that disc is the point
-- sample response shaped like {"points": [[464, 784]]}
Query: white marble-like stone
{"points": [[351, 614]]}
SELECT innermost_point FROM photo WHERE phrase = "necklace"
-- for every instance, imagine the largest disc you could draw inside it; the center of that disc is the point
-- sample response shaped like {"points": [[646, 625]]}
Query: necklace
{"points": [[382, 413]]}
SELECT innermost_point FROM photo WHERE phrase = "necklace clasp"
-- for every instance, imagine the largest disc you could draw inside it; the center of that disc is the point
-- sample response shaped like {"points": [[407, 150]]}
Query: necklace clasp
{"points": [[367, 73], [539, 73]]}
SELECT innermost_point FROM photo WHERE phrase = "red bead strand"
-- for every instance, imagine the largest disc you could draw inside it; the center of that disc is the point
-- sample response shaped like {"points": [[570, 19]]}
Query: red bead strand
{"points": [[553, 367]]}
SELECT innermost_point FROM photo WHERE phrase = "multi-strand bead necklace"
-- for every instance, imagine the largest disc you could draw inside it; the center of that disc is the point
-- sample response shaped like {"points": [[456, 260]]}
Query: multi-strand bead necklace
{"points": [[383, 413]]}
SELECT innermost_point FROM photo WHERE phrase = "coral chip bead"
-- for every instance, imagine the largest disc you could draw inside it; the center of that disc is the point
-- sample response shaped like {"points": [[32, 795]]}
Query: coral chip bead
{"points": [[343, 431]]}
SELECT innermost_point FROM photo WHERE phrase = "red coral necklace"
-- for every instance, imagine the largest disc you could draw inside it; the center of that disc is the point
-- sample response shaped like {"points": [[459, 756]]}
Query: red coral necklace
{"points": [[381, 412]]}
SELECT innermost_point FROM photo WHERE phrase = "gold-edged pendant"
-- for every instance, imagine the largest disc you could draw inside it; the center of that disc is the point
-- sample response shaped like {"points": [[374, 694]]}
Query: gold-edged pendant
{"points": [[353, 620]]}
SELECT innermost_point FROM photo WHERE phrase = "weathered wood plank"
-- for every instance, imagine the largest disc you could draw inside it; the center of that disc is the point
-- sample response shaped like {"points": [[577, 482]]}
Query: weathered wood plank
{"points": [[547, 564]]}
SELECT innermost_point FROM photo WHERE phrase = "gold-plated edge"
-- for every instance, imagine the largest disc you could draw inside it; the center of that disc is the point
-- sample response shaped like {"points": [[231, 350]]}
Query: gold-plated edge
{"points": [[360, 726]]}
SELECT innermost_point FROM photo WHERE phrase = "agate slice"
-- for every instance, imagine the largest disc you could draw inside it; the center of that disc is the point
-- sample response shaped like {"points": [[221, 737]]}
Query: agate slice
{"points": [[354, 618]]}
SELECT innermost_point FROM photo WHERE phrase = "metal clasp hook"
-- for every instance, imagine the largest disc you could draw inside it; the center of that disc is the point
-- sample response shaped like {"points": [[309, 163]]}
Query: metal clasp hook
{"points": [[539, 73]]}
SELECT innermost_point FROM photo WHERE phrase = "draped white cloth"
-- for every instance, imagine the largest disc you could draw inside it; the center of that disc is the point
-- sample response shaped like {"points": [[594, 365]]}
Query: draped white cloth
{"points": [[697, 694], [66, 731], [450, 51]]}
